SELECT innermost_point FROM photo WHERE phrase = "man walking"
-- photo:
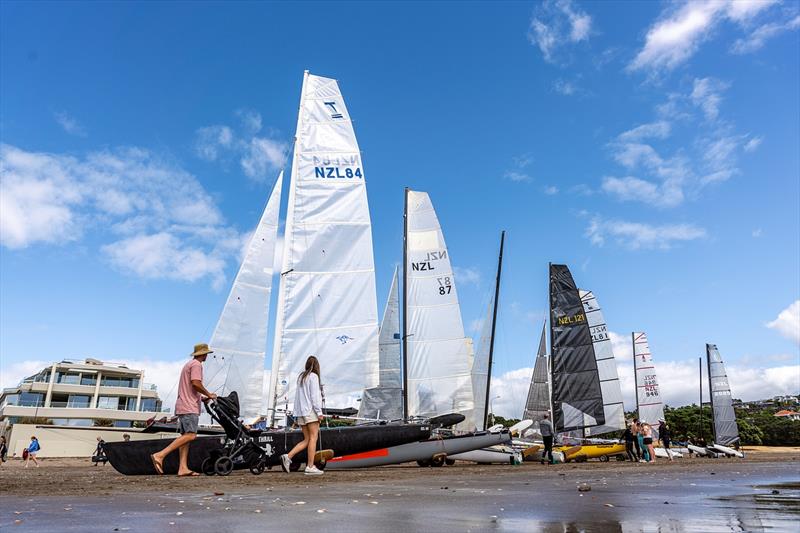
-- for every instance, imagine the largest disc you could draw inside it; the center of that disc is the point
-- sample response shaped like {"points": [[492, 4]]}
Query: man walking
{"points": [[546, 429], [187, 407]]}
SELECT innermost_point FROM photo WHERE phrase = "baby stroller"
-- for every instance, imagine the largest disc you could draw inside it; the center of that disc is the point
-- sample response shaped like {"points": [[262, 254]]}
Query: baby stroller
{"points": [[240, 449]]}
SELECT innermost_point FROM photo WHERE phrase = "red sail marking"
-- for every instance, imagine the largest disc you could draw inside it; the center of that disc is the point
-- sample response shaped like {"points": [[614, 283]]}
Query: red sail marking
{"points": [[383, 452]]}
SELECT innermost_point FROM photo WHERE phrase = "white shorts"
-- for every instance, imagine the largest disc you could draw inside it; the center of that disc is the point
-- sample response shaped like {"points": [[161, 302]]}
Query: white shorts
{"points": [[305, 420]]}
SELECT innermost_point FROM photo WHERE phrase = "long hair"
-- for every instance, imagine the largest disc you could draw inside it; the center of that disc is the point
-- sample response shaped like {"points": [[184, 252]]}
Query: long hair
{"points": [[312, 365]]}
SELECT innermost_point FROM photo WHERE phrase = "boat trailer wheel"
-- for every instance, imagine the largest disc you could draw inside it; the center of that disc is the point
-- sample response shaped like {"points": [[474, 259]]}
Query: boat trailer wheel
{"points": [[603, 458], [424, 462], [438, 460], [449, 462], [223, 466]]}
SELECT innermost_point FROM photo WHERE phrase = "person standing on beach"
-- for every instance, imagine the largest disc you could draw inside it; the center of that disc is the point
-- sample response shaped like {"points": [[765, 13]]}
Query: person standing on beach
{"points": [[307, 413], [33, 449], [546, 429], [629, 438], [664, 435], [191, 392], [647, 433], [641, 450], [3, 450]]}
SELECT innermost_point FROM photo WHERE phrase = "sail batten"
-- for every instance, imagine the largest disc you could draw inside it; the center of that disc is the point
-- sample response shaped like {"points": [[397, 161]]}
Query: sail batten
{"points": [[326, 305], [239, 340], [439, 355], [726, 430]]}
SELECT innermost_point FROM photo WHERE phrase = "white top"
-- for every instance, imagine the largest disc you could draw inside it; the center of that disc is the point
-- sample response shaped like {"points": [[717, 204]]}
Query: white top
{"points": [[308, 398]]}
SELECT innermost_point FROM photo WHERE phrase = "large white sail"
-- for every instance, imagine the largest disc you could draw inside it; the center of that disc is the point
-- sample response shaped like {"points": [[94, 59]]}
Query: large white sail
{"points": [[439, 355], [240, 338], [648, 395], [326, 303], [606, 367], [386, 400], [480, 368]]}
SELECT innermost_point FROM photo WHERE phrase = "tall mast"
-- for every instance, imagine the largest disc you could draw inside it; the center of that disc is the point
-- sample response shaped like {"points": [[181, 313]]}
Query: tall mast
{"points": [[635, 375], [405, 304], [550, 358], [700, 373], [710, 395], [494, 324]]}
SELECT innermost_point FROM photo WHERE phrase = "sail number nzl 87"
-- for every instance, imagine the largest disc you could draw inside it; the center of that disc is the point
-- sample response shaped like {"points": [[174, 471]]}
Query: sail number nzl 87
{"points": [[336, 172]]}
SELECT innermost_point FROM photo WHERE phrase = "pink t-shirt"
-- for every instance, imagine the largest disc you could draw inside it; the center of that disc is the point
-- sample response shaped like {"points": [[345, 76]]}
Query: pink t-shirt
{"points": [[188, 402]]}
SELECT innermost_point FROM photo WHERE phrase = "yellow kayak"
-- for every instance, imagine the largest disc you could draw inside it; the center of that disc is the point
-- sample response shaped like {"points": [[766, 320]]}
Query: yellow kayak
{"points": [[585, 452]]}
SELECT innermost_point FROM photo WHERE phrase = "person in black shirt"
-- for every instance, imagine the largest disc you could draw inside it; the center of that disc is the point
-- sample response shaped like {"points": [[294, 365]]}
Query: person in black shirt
{"points": [[664, 435], [629, 440]]}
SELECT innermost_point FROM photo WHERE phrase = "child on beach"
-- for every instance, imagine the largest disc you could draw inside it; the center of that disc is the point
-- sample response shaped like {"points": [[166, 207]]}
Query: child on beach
{"points": [[33, 448], [307, 413]]}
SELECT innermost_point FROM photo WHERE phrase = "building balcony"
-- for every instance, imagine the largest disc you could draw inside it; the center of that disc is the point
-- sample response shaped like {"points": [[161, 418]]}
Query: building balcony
{"points": [[148, 391], [62, 410]]}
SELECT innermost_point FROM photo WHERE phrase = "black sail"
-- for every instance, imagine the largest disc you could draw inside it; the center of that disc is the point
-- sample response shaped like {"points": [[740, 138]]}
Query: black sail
{"points": [[577, 396], [726, 431]]}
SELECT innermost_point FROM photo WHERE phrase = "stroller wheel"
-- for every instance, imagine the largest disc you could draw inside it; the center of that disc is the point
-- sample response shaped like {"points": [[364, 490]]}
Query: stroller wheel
{"points": [[208, 466], [223, 466], [257, 468]]}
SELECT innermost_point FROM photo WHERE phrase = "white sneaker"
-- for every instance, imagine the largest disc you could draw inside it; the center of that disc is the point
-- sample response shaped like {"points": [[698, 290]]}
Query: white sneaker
{"points": [[313, 471], [286, 463]]}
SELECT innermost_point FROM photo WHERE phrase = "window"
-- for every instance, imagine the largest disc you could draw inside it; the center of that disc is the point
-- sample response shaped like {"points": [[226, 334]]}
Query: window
{"points": [[11, 399], [31, 399], [88, 380], [123, 423], [130, 404], [108, 402], [150, 404], [68, 378], [76, 400]]}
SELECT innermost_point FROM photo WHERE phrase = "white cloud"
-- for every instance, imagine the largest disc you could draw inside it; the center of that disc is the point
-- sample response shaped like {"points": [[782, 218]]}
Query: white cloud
{"points": [[758, 38], [706, 95], [679, 31], [467, 276], [637, 235], [165, 256], [564, 87], [753, 144], [161, 221], [653, 130], [550, 190], [518, 173], [629, 188], [788, 322], [556, 24], [69, 124], [516, 176], [258, 157], [12, 374], [757, 233]]}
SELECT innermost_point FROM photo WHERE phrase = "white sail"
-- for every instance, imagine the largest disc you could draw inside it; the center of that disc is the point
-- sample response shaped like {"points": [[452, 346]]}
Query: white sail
{"points": [[326, 302], [240, 338], [389, 340], [606, 367], [480, 368], [648, 395], [439, 355], [386, 400]]}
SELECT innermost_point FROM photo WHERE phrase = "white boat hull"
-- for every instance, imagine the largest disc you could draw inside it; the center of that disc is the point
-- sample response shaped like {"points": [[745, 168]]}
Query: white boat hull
{"points": [[727, 451], [661, 452], [492, 455], [697, 449], [425, 450]]}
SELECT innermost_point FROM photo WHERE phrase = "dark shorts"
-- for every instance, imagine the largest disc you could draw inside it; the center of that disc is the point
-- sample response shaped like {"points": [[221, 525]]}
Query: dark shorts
{"points": [[188, 423], [666, 444], [648, 441]]}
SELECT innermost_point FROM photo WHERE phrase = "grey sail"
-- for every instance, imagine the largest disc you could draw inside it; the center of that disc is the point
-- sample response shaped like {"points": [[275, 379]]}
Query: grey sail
{"points": [[726, 432], [538, 402], [480, 368], [577, 395], [386, 400]]}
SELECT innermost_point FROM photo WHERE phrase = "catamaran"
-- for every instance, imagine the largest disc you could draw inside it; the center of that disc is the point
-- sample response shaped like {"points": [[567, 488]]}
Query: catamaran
{"points": [[437, 355], [726, 430], [326, 302]]}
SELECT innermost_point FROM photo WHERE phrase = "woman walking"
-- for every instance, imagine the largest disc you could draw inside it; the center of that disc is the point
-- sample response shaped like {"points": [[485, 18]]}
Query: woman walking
{"points": [[32, 449], [664, 435], [307, 413]]}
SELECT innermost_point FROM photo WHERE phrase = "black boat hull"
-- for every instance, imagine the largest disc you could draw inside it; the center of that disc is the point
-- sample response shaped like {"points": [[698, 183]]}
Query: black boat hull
{"points": [[133, 458]]}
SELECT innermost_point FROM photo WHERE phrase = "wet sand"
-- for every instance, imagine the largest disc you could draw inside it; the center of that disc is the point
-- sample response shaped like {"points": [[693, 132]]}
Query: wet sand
{"points": [[693, 494]]}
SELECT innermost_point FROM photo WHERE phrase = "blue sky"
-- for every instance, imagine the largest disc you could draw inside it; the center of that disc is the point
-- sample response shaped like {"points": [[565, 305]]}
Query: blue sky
{"points": [[651, 146]]}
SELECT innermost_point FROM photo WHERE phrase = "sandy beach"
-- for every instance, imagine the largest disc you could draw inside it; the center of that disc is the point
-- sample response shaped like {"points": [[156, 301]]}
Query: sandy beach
{"points": [[693, 494]]}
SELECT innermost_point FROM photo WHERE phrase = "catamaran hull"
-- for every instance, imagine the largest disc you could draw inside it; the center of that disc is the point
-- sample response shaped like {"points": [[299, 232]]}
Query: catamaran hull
{"points": [[727, 451], [591, 451], [493, 455], [662, 453], [424, 450], [697, 449], [133, 458]]}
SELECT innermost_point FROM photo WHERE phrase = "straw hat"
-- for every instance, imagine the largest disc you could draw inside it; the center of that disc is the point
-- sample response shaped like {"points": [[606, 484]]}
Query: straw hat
{"points": [[201, 349]]}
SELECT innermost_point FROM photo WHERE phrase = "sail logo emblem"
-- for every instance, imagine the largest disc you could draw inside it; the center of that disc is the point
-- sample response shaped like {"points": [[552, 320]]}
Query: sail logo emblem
{"points": [[334, 112], [344, 338]]}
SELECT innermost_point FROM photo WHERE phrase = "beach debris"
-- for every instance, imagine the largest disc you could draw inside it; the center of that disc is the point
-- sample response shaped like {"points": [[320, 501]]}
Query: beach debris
{"points": [[219, 494], [17, 512], [374, 503], [67, 508], [179, 513], [584, 487], [257, 510], [321, 510], [17, 521], [666, 503], [444, 488], [181, 501], [775, 491], [299, 503], [608, 504], [172, 523]]}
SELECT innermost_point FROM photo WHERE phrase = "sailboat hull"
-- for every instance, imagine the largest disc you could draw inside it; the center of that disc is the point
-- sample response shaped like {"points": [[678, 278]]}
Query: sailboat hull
{"points": [[591, 451], [423, 450], [133, 458], [493, 455], [727, 451]]}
